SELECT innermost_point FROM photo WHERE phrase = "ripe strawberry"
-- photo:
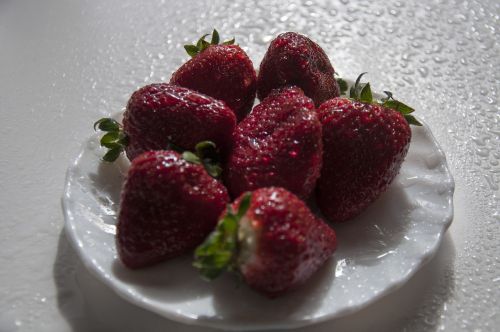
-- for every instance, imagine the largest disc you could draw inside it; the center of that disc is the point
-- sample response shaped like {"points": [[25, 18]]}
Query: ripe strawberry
{"points": [[278, 144], [161, 116], [273, 240], [365, 143], [223, 71], [168, 206], [293, 59]]}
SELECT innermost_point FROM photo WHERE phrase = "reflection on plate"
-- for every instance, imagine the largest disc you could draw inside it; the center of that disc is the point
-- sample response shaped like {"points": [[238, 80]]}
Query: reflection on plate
{"points": [[377, 252]]}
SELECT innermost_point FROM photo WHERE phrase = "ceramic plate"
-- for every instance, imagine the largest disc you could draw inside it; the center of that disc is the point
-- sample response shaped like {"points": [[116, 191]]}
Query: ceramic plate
{"points": [[378, 251]]}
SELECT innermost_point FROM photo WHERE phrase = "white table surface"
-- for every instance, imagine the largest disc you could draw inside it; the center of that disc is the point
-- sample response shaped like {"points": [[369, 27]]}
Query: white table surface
{"points": [[64, 64]]}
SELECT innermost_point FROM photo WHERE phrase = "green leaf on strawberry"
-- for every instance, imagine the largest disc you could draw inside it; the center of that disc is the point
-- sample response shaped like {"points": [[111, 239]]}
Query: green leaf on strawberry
{"points": [[107, 124], [362, 92], [215, 38], [191, 157], [219, 251], [115, 139], [202, 44], [411, 120], [356, 88], [229, 42], [192, 50], [205, 153], [343, 86], [401, 107], [366, 94], [112, 154]]}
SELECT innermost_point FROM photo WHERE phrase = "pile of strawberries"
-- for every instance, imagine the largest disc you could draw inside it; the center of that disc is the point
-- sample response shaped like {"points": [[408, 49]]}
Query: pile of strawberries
{"points": [[196, 143]]}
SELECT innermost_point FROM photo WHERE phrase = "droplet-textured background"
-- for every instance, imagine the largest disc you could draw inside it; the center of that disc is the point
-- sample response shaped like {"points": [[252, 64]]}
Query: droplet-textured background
{"points": [[64, 64]]}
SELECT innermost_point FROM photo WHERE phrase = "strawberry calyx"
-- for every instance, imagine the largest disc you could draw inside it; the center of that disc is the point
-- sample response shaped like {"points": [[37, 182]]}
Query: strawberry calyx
{"points": [[343, 86], [219, 252], [115, 139], [402, 108], [202, 44], [206, 154], [362, 92]]}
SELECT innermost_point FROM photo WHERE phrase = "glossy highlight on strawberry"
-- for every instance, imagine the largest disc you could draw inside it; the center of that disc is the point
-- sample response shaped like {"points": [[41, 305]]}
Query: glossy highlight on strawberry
{"points": [[294, 59], [168, 206], [278, 144]]}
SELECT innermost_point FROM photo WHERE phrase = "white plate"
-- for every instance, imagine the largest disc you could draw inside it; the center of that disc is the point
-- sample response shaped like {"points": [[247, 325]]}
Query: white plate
{"points": [[377, 253]]}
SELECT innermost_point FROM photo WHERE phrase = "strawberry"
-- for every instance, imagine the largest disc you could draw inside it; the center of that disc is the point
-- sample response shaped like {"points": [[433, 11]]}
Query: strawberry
{"points": [[278, 144], [365, 143], [168, 206], [222, 71], [294, 59], [161, 116], [273, 241]]}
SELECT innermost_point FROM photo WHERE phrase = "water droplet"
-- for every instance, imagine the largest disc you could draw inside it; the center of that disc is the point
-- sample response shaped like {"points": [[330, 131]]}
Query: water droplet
{"points": [[394, 12], [492, 183], [439, 60], [423, 71], [432, 160]]}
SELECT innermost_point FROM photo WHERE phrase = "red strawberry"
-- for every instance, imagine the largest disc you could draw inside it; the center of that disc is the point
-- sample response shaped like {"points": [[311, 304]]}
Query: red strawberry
{"points": [[168, 206], [223, 71], [293, 59], [161, 115], [278, 144], [273, 240], [365, 144]]}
